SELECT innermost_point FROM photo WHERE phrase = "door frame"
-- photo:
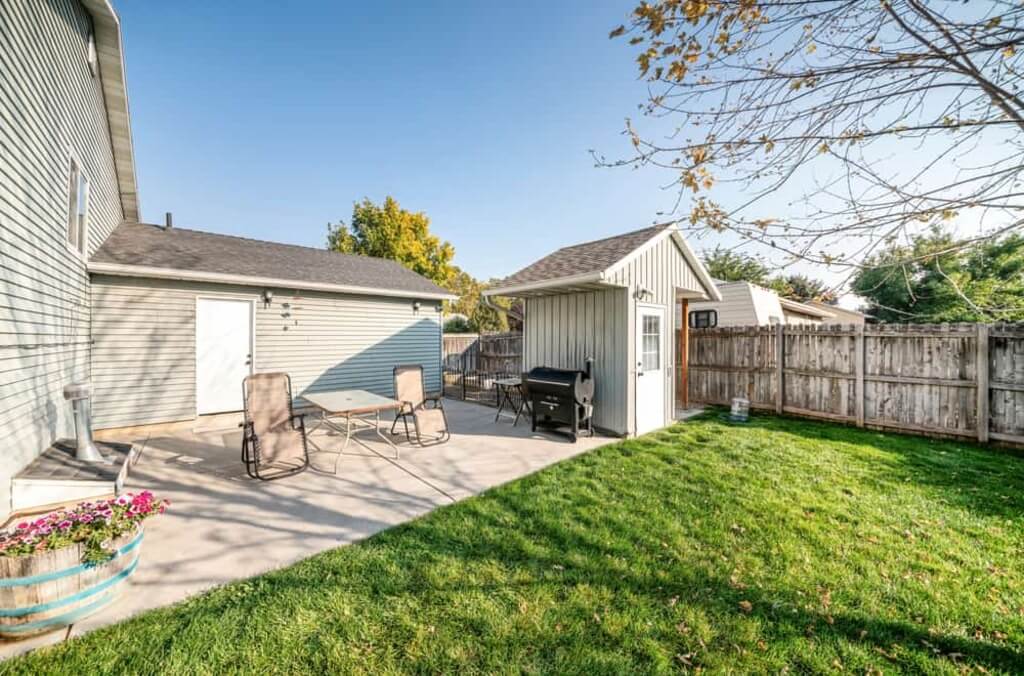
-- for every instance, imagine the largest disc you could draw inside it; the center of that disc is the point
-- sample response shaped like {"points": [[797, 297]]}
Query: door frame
{"points": [[638, 356], [241, 298]]}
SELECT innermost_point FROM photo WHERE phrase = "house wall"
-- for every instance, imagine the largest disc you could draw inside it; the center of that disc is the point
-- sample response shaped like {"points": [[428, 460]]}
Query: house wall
{"points": [[662, 270], [49, 103], [563, 330], [799, 318], [143, 366], [736, 307]]}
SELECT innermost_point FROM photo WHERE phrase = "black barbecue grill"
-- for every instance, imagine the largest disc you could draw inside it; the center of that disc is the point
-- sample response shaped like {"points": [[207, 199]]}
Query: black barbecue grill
{"points": [[562, 398]]}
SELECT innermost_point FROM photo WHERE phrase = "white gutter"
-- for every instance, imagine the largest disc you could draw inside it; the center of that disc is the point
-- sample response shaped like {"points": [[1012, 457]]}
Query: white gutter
{"points": [[119, 270], [572, 280]]}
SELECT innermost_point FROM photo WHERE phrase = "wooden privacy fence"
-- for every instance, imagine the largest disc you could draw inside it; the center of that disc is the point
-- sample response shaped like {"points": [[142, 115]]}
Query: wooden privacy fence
{"points": [[924, 378], [486, 353]]}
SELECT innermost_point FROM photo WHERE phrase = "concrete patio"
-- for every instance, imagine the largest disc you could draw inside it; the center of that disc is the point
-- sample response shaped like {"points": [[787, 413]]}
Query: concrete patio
{"points": [[223, 526]]}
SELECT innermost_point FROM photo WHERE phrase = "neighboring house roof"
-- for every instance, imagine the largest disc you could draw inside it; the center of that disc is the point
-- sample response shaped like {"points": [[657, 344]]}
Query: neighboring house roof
{"points": [[836, 310], [110, 56], [143, 250], [590, 263], [804, 308]]}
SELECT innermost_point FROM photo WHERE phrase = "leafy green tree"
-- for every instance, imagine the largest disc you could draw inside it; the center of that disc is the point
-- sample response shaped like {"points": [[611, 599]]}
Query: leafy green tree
{"points": [[458, 325], [732, 266], [481, 318], [389, 231], [937, 278], [802, 288]]}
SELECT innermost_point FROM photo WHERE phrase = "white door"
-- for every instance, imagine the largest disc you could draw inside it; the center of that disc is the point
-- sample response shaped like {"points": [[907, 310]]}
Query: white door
{"points": [[650, 368], [223, 353]]}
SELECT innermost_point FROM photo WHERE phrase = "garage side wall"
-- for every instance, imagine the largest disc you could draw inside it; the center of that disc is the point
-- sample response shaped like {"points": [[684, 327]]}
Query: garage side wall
{"points": [[563, 330], [143, 332]]}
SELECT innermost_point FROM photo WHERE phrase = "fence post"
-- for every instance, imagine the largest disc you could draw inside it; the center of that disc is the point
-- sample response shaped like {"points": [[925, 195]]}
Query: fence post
{"points": [[982, 367], [463, 376], [859, 358], [780, 363]]}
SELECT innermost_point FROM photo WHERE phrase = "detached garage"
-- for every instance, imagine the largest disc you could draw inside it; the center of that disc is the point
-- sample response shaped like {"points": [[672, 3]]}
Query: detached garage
{"points": [[613, 300], [180, 317]]}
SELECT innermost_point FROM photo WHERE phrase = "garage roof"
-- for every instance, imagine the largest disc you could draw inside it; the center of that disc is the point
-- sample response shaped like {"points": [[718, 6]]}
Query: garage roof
{"points": [[143, 250]]}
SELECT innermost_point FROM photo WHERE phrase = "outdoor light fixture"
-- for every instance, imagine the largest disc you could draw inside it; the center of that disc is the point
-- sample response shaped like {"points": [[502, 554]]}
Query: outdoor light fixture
{"points": [[641, 293], [268, 296], [416, 306]]}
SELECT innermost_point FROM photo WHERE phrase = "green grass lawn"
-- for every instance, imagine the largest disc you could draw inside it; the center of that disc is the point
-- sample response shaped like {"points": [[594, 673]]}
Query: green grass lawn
{"points": [[778, 544]]}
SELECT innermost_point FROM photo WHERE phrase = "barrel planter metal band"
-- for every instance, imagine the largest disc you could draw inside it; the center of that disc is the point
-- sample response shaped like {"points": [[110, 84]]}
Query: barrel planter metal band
{"points": [[52, 589]]}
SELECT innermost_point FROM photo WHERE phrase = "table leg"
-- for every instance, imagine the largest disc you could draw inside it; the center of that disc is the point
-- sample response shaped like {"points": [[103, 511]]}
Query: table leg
{"points": [[386, 440], [501, 402]]}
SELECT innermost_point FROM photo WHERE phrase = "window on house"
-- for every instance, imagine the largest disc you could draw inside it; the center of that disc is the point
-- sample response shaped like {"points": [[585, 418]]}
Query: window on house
{"points": [[703, 319], [651, 342], [78, 208], [90, 55]]}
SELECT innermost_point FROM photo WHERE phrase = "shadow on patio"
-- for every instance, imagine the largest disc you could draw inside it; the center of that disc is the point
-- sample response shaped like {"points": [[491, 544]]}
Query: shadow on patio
{"points": [[223, 526]]}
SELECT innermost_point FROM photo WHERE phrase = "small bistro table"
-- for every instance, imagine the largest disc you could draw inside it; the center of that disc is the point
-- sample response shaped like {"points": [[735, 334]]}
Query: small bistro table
{"points": [[355, 407], [505, 388]]}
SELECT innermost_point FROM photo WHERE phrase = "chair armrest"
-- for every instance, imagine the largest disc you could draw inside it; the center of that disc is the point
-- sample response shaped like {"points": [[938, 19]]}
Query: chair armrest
{"points": [[301, 418], [436, 398]]}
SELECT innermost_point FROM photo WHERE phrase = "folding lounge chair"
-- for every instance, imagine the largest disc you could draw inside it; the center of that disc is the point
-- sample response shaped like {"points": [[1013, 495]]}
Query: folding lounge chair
{"points": [[431, 424], [273, 436]]}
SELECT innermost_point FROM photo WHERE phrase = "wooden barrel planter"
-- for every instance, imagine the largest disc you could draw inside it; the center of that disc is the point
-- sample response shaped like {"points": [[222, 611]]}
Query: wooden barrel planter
{"points": [[52, 589]]}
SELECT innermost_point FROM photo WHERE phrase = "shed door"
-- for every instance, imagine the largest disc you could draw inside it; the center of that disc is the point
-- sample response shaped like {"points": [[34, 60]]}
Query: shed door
{"points": [[223, 353], [650, 368]]}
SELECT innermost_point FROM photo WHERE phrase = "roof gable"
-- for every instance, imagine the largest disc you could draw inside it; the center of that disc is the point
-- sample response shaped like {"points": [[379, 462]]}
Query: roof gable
{"points": [[144, 250], [581, 259], [592, 263]]}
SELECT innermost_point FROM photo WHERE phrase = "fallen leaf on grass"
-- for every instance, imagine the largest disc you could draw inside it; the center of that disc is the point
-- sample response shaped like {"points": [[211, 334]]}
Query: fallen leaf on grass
{"points": [[746, 606]]}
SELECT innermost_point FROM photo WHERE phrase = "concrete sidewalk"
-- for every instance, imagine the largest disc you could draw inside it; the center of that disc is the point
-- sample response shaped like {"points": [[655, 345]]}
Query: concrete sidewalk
{"points": [[223, 526]]}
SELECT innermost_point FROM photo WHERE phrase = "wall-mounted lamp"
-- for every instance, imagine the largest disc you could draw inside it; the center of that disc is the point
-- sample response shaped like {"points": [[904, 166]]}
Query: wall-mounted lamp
{"points": [[416, 306], [642, 293], [268, 297]]}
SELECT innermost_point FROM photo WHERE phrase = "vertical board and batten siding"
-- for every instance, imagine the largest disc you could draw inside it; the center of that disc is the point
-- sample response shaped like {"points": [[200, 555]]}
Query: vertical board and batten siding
{"points": [[565, 329], [49, 104], [663, 270], [144, 344]]}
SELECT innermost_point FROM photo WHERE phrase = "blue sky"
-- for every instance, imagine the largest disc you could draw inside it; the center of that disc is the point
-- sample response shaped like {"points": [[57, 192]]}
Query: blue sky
{"points": [[272, 121]]}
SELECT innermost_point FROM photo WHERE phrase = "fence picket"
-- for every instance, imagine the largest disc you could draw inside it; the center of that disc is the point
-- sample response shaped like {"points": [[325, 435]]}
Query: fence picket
{"points": [[960, 380]]}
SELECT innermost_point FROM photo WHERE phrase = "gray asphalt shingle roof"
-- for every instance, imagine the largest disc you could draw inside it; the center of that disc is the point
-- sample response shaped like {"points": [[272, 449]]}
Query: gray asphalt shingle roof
{"points": [[141, 244], [580, 259]]}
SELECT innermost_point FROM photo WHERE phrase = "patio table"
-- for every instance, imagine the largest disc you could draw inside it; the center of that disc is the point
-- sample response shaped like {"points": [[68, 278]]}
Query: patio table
{"points": [[505, 388], [355, 407]]}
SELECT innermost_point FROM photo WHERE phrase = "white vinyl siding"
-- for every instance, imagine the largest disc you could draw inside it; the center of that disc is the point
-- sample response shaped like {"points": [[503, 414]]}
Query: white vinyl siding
{"points": [[144, 344], [736, 307], [50, 106]]}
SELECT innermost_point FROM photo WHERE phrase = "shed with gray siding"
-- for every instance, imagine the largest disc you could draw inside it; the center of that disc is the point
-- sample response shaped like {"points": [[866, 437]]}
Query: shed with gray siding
{"points": [[331, 321], [589, 300]]}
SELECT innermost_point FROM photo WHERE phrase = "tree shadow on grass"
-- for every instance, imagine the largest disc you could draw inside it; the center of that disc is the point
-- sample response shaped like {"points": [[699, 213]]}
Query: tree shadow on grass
{"points": [[525, 542]]}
